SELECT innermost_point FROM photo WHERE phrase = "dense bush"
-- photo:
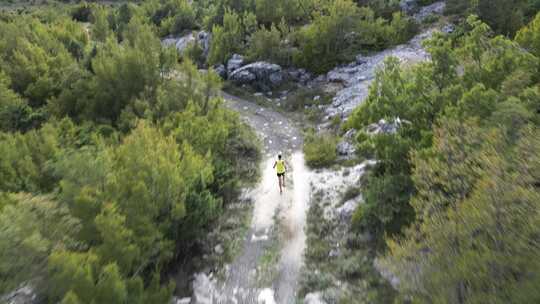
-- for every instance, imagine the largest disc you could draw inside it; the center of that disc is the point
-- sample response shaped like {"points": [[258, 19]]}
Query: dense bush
{"points": [[455, 187], [226, 39], [503, 16], [270, 45], [339, 35], [320, 150], [101, 141], [529, 36]]}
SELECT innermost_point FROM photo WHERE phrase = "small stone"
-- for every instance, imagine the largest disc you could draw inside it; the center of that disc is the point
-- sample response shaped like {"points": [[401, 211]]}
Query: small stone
{"points": [[345, 148], [176, 300], [219, 249], [448, 29]]}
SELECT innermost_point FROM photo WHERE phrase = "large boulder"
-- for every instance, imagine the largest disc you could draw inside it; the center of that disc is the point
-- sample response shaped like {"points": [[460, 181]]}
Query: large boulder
{"points": [[345, 148], [261, 75], [179, 43], [202, 38], [236, 62], [386, 127]]}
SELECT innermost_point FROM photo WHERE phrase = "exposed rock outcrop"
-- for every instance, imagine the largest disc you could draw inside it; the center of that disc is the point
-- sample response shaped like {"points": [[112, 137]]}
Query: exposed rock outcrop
{"points": [[386, 127], [356, 77], [260, 75], [202, 38], [436, 8], [353, 80], [233, 64], [346, 147]]}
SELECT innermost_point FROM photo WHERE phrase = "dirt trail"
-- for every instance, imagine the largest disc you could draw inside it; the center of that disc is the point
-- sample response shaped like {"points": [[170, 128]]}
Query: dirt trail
{"points": [[273, 213]]}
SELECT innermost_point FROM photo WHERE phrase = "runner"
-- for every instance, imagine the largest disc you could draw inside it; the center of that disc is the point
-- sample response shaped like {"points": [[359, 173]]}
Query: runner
{"points": [[279, 165]]}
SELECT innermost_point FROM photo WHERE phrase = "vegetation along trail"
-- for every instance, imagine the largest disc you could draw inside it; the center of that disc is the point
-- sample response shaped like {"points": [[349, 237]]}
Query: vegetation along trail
{"points": [[268, 268]]}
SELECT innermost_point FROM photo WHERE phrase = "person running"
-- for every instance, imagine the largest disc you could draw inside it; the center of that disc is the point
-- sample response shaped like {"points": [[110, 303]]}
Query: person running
{"points": [[279, 165]]}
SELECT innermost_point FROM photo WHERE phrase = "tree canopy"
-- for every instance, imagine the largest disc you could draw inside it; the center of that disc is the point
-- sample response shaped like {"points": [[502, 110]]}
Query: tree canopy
{"points": [[455, 189], [116, 158]]}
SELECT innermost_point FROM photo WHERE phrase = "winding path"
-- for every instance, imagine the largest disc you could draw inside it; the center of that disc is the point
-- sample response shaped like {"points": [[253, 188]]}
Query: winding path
{"points": [[241, 285]]}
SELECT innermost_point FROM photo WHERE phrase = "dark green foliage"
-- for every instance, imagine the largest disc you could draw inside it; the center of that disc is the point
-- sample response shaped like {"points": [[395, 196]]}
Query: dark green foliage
{"points": [[337, 36], [268, 44], [320, 150], [227, 39], [503, 16], [529, 36], [82, 12], [451, 184], [175, 17], [102, 141], [15, 113]]}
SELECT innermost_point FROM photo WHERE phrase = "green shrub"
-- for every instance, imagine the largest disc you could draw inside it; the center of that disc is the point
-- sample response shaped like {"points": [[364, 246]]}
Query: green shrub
{"points": [[431, 19], [195, 53], [320, 150], [350, 193], [184, 19], [267, 44], [226, 39], [358, 216], [310, 97]]}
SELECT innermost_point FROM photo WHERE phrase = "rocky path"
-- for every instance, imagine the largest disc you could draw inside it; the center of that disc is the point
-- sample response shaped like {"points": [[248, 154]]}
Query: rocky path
{"points": [[275, 217]]}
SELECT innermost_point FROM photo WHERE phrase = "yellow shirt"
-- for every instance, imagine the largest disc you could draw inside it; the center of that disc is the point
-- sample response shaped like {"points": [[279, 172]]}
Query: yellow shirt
{"points": [[280, 166]]}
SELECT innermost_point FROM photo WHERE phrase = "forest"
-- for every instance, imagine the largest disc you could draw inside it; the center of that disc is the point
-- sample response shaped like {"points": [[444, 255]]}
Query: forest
{"points": [[110, 168], [118, 155]]}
